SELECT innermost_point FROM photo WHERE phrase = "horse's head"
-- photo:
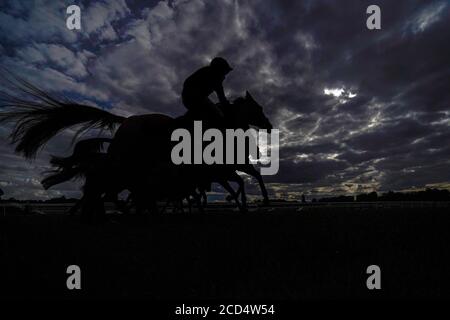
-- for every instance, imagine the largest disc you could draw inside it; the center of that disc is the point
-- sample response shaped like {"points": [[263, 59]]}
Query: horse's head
{"points": [[250, 112]]}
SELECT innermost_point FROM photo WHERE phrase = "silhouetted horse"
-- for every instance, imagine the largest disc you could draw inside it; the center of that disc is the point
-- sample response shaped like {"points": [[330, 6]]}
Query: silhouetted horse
{"points": [[138, 137], [88, 162], [87, 157], [139, 146], [86, 153]]}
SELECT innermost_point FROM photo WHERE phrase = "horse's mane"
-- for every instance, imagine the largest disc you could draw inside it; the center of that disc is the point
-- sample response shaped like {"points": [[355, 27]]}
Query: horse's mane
{"points": [[186, 117]]}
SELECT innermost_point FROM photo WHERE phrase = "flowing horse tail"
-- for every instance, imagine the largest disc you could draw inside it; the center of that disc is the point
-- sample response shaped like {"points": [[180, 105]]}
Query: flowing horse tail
{"points": [[39, 116], [86, 154]]}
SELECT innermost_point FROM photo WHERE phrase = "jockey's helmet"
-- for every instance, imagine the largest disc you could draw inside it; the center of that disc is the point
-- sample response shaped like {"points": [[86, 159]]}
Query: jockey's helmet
{"points": [[221, 65]]}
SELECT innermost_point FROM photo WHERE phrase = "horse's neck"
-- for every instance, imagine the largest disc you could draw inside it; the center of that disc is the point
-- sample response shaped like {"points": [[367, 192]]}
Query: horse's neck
{"points": [[234, 119]]}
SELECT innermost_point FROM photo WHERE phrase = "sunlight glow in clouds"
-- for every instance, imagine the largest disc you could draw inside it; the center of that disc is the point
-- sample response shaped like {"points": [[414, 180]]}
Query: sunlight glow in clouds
{"points": [[333, 92], [339, 92]]}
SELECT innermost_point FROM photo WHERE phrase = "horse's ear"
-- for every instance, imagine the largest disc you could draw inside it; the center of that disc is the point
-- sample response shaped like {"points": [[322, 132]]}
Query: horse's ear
{"points": [[248, 95]]}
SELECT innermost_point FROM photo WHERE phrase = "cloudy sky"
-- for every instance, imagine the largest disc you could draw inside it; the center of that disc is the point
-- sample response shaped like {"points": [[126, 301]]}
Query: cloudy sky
{"points": [[358, 110]]}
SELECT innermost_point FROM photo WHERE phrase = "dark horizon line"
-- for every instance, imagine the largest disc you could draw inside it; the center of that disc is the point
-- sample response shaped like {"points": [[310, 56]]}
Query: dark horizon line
{"points": [[428, 194]]}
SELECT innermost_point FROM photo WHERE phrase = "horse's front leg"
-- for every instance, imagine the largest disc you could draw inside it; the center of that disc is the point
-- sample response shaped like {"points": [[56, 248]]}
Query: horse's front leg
{"points": [[113, 196], [241, 188], [230, 190], [204, 198], [238, 192], [250, 169]]}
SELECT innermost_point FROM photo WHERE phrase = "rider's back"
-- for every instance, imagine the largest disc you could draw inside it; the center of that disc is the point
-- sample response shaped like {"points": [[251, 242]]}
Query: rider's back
{"points": [[201, 84]]}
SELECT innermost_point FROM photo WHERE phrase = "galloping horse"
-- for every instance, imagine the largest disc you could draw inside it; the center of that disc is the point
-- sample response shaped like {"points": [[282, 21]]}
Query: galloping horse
{"points": [[140, 143]]}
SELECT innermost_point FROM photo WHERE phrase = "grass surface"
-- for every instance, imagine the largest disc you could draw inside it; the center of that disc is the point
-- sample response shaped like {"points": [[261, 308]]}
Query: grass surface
{"points": [[319, 253]]}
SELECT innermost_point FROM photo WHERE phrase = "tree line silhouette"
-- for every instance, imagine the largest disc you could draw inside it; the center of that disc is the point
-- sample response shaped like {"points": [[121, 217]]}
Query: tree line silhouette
{"points": [[429, 194]]}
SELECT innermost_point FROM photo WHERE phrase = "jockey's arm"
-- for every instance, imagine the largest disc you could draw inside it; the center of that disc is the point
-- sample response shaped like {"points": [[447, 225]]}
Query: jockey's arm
{"points": [[221, 95]]}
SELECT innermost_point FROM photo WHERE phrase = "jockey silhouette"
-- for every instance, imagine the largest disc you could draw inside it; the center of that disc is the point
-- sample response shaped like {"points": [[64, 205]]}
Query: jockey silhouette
{"points": [[198, 86]]}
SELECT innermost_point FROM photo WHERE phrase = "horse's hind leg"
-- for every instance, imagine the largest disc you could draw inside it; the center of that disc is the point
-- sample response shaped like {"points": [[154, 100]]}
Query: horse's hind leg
{"points": [[153, 207], [198, 201], [204, 198], [189, 201], [178, 205], [243, 194], [77, 206], [163, 209], [92, 208]]}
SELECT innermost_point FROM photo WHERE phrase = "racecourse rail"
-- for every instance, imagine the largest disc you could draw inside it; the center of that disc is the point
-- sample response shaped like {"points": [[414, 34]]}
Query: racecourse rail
{"points": [[61, 208]]}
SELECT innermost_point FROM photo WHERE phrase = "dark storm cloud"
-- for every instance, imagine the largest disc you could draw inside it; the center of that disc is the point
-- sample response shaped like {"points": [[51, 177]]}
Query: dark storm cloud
{"points": [[383, 122]]}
